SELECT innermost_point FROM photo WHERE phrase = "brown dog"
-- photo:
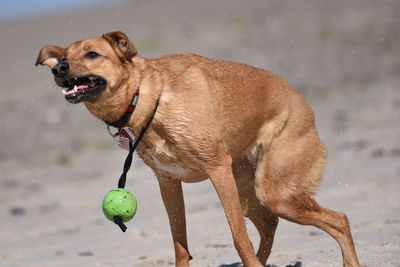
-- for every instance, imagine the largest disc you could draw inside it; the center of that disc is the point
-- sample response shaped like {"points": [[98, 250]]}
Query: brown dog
{"points": [[244, 128]]}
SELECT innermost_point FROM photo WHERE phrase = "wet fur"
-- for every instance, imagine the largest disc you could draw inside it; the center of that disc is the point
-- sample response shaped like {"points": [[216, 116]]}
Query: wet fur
{"points": [[242, 127]]}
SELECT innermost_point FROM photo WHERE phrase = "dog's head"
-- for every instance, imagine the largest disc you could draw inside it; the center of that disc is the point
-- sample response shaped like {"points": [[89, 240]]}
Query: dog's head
{"points": [[92, 69]]}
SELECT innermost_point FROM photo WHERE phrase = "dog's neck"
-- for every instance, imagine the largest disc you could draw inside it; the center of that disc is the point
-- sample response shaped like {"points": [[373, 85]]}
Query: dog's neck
{"points": [[111, 106]]}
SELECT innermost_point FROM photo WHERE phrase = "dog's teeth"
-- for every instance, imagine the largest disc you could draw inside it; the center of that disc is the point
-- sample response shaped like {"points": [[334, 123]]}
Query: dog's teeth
{"points": [[92, 79], [70, 91]]}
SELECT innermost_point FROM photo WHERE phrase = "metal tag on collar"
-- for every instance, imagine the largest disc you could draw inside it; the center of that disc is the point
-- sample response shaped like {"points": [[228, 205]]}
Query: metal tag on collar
{"points": [[114, 135], [135, 99], [126, 135]]}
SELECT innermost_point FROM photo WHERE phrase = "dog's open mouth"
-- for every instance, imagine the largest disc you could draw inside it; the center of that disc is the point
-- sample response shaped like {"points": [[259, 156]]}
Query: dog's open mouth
{"points": [[82, 88]]}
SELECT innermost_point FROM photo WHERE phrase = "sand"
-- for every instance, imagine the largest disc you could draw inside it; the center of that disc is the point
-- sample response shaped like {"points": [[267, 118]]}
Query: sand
{"points": [[57, 162]]}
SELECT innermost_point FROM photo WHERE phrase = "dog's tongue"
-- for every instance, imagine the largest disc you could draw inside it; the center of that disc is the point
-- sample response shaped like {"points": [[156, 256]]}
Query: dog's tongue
{"points": [[82, 86]]}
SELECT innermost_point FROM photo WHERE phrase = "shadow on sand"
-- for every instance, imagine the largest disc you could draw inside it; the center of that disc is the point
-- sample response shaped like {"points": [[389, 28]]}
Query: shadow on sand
{"points": [[239, 264]]}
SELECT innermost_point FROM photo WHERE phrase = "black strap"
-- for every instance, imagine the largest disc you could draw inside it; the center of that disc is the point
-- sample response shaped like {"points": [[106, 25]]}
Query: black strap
{"points": [[128, 161], [120, 223]]}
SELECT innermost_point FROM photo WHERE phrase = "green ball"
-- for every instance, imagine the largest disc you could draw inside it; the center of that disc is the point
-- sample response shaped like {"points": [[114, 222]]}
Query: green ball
{"points": [[119, 202]]}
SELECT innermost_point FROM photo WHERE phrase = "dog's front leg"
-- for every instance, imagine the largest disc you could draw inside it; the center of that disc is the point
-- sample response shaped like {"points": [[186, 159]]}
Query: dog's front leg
{"points": [[172, 196], [224, 183]]}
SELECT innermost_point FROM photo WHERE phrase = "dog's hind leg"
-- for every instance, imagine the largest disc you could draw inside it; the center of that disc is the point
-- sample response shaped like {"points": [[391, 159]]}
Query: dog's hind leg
{"points": [[264, 221], [286, 176]]}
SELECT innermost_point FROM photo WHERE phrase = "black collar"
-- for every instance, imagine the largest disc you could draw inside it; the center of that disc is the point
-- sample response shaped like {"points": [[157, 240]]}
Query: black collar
{"points": [[125, 118]]}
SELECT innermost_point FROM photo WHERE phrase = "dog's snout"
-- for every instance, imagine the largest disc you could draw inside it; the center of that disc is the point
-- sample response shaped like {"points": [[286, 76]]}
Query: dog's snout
{"points": [[61, 69]]}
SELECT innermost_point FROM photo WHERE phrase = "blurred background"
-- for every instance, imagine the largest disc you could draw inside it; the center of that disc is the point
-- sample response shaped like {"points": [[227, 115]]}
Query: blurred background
{"points": [[57, 161]]}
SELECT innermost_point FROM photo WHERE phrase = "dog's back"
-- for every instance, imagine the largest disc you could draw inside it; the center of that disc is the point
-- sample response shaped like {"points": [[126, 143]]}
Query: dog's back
{"points": [[240, 99]]}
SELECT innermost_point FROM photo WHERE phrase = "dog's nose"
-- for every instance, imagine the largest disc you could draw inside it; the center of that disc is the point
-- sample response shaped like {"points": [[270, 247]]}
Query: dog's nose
{"points": [[61, 69]]}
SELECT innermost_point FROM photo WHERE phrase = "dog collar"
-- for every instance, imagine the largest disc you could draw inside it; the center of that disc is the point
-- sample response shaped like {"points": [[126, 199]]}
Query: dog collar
{"points": [[125, 117]]}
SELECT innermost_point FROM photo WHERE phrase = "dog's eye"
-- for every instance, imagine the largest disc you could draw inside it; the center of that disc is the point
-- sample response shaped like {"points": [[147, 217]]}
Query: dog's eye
{"points": [[92, 54]]}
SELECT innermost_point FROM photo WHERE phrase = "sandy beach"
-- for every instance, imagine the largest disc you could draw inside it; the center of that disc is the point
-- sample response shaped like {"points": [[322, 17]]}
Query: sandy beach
{"points": [[57, 161]]}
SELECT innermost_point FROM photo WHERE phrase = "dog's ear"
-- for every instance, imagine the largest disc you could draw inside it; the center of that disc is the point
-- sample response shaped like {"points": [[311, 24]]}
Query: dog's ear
{"points": [[121, 44], [50, 55]]}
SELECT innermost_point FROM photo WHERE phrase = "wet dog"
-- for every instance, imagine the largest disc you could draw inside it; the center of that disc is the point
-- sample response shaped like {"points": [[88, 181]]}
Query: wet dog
{"points": [[242, 127]]}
